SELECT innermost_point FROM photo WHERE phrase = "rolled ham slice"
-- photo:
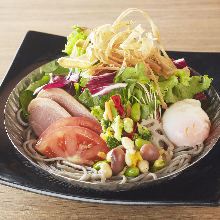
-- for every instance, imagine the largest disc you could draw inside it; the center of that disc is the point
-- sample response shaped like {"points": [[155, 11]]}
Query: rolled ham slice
{"points": [[67, 101], [44, 112]]}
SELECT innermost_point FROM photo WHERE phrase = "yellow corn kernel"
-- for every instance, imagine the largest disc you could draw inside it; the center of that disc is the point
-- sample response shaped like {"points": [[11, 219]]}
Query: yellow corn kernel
{"points": [[102, 155], [139, 155], [109, 133], [161, 151], [134, 158], [103, 136]]}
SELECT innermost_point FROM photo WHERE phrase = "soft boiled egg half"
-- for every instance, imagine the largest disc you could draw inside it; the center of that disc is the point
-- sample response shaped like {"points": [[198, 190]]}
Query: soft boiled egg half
{"points": [[185, 123]]}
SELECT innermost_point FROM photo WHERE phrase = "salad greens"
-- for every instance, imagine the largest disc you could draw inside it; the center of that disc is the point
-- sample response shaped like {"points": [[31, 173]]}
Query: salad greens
{"points": [[27, 95], [98, 112], [132, 74], [25, 98], [76, 35], [55, 68], [182, 86], [140, 92], [86, 98], [44, 80]]}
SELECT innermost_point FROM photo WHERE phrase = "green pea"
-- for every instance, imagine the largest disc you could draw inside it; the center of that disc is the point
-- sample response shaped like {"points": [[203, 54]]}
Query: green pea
{"points": [[128, 125], [132, 172], [136, 112], [139, 142], [97, 165]]}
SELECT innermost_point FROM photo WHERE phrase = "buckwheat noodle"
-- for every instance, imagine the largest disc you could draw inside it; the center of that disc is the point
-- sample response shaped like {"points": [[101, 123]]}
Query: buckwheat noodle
{"points": [[178, 158]]}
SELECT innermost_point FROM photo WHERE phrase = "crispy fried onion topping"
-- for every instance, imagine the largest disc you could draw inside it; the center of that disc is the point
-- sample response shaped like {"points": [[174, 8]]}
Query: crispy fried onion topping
{"points": [[112, 46]]}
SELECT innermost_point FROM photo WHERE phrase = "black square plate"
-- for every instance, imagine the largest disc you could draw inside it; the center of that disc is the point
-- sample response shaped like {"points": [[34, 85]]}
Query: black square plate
{"points": [[199, 186]]}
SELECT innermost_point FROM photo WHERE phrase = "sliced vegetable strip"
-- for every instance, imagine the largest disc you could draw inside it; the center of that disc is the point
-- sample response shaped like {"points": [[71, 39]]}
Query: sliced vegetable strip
{"points": [[118, 104]]}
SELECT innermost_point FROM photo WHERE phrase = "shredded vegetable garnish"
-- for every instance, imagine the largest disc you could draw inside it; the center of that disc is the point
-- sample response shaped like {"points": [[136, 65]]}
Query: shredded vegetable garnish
{"points": [[120, 44]]}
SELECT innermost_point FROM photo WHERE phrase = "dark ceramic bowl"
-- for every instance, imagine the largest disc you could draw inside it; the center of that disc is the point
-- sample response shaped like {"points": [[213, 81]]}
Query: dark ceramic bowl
{"points": [[15, 130]]}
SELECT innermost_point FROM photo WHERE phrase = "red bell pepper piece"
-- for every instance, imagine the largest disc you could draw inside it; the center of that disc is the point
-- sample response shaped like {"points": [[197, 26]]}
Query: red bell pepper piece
{"points": [[118, 104]]}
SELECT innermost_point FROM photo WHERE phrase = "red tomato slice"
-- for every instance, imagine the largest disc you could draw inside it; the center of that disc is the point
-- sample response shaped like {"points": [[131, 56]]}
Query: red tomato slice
{"points": [[79, 145], [74, 121]]}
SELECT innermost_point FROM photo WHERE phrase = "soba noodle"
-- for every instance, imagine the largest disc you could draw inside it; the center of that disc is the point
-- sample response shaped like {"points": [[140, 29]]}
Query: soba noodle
{"points": [[178, 158]]}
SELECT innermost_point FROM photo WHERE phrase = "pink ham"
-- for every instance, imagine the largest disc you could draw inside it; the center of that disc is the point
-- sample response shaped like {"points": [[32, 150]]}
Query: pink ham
{"points": [[44, 112], [67, 102]]}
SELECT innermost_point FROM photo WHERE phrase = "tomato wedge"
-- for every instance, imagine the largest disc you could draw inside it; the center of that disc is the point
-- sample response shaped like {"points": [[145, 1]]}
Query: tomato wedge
{"points": [[77, 144], [74, 121]]}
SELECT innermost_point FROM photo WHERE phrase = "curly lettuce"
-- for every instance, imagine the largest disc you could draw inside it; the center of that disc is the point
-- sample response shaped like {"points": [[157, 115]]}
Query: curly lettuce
{"points": [[183, 86], [98, 112], [76, 35]]}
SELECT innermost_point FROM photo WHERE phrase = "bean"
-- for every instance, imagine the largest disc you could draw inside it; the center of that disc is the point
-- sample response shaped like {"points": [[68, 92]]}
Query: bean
{"points": [[149, 152], [132, 172], [143, 166], [97, 165], [128, 144], [117, 160], [136, 112], [106, 170], [128, 125], [139, 142]]}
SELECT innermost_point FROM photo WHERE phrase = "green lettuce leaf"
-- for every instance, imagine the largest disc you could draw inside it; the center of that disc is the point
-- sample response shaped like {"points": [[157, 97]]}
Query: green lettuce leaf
{"points": [[132, 74], [182, 86], [55, 68], [76, 34], [50, 67], [25, 98], [44, 80], [101, 99], [168, 84], [196, 85], [61, 71], [97, 112], [77, 89], [83, 81], [184, 77], [141, 73], [86, 98]]}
